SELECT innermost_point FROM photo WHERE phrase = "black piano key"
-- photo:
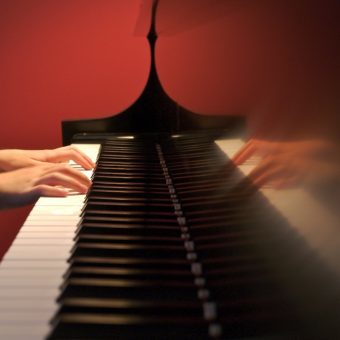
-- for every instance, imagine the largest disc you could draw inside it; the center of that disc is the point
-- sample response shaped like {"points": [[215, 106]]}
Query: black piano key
{"points": [[93, 326], [157, 216], [126, 167], [128, 274], [126, 220], [129, 239], [142, 174], [131, 307], [129, 206], [128, 229], [143, 200], [132, 263], [116, 182], [130, 180], [142, 185], [119, 192], [126, 250], [129, 289]]}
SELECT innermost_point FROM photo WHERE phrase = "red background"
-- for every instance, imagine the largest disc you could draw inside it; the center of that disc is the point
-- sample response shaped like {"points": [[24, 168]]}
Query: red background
{"points": [[276, 61]]}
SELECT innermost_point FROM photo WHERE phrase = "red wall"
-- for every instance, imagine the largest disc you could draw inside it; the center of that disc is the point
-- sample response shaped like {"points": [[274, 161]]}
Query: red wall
{"points": [[276, 61], [63, 59]]}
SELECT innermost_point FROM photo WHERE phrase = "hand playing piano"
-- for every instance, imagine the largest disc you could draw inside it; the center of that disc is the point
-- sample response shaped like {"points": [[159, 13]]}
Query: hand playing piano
{"points": [[15, 159], [287, 164], [26, 185], [28, 174]]}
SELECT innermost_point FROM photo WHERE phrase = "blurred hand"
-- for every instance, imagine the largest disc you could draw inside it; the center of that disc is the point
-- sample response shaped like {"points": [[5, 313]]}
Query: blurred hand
{"points": [[287, 164], [26, 185], [15, 159], [306, 148]]}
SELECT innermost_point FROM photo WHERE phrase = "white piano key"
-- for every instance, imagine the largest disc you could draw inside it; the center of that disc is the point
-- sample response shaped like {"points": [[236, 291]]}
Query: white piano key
{"points": [[21, 317], [33, 292], [31, 263], [42, 241], [48, 217], [49, 228], [25, 332], [28, 304], [29, 281], [31, 249], [34, 253], [30, 272], [72, 199], [60, 201], [28, 234], [35, 257], [57, 210], [51, 222]]}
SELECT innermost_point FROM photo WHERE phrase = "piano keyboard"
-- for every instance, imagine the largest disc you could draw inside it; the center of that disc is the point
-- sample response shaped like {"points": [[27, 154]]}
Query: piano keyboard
{"points": [[31, 271], [169, 245]]}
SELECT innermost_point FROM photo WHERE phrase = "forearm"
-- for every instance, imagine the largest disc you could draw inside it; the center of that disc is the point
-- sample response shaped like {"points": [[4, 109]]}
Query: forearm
{"points": [[11, 159]]}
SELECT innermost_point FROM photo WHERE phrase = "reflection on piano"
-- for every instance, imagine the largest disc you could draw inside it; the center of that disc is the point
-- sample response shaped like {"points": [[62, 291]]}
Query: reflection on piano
{"points": [[171, 241]]}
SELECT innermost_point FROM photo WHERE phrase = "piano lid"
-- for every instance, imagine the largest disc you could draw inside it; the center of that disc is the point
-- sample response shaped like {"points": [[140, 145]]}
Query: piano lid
{"points": [[154, 111]]}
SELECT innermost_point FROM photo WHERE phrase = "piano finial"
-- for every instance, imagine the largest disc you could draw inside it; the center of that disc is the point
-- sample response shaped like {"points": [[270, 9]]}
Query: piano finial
{"points": [[152, 35]]}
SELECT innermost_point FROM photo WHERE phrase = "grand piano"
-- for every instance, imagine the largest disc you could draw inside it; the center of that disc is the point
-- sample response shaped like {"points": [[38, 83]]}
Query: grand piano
{"points": [[172, 240]]}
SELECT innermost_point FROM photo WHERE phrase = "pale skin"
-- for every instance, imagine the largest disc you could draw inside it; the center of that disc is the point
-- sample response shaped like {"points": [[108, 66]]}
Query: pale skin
{"points": [[28, 174], [15, 159], [287, 164]]}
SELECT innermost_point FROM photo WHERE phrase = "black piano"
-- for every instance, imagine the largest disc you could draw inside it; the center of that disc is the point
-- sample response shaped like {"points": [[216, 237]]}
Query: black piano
{"points": [[168, 247]]}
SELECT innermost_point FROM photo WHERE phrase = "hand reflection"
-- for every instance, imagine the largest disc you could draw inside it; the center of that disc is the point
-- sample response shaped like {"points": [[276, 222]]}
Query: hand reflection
{"points": [[287, 164]]}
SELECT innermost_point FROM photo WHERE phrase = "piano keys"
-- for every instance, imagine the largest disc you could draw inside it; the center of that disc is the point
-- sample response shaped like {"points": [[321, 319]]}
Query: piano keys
{"points": [[168, 244], [31, 271], [172, 241]]}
